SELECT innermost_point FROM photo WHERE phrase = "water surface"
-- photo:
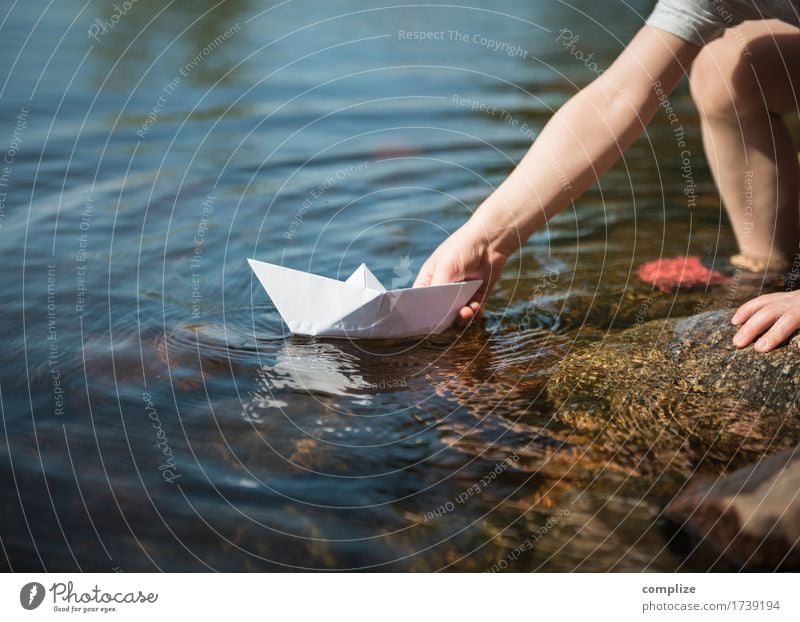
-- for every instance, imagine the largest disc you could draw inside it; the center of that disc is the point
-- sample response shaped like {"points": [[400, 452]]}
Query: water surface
{"points": [[157, 414]]}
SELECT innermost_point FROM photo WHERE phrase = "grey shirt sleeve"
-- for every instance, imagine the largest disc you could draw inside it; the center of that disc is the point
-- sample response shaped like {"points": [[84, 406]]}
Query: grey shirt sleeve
{"points": [[695, 21]]}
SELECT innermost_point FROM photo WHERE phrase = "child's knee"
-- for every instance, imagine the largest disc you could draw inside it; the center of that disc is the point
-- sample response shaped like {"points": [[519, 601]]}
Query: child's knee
{"points": [[722, 82]]}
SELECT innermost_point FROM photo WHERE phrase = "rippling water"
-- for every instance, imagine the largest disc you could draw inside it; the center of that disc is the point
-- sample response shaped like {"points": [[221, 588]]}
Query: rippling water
{"points": [[156, 414]]}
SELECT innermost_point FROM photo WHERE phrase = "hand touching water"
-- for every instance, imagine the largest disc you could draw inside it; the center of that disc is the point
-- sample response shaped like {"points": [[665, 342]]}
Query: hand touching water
{"points": [[466, 255], [773, 316]]}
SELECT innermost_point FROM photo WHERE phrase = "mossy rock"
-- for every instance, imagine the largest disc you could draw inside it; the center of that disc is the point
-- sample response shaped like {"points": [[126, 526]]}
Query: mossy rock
{"points": [[677, 393]]}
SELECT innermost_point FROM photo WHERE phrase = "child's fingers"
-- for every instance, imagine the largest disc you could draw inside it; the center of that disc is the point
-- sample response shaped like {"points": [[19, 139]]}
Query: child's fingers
{"points": [[476, 308], [756, 325], [781, 330], [468, 313], [465, 316], [748, 309]]}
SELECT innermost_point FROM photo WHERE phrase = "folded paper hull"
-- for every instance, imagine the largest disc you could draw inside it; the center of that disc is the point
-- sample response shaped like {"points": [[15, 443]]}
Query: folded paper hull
{"points": [[404, 313], [324, 307]]}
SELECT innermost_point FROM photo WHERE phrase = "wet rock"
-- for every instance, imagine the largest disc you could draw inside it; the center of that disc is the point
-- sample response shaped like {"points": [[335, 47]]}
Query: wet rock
{"points": [[676, 394], [672, 399], [751, 517]]}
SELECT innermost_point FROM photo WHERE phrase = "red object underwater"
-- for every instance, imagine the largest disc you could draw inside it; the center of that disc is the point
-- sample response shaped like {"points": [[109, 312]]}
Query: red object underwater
{"points": [[684, 272]]}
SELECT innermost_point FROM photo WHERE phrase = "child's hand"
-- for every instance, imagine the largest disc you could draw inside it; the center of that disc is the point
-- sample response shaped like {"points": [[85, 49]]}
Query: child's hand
{"points": [[777, 314], [466, 255]]}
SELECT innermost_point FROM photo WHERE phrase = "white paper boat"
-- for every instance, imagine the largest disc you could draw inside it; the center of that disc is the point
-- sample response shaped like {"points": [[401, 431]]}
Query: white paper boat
{"points": [[360, 307]]}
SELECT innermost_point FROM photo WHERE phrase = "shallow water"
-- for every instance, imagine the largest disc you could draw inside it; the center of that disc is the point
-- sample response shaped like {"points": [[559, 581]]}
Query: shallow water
{"points": [[313, 135]]}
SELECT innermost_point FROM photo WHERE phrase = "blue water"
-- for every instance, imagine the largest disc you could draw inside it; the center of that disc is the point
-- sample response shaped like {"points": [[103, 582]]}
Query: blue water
{"points": [[156, 413]]}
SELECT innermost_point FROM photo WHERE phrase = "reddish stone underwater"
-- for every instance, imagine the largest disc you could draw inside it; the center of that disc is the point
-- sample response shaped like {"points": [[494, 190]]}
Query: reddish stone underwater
{"points": [[669, 274]]}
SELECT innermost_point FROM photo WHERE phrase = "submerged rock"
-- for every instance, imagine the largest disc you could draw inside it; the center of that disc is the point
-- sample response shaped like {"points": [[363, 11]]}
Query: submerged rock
{"points": [[677, 395], [674, 399], [751, 517], [669, 274]]}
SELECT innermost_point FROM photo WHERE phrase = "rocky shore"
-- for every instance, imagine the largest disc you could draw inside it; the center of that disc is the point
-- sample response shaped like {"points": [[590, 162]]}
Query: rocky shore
{"points": [[676, 396]]}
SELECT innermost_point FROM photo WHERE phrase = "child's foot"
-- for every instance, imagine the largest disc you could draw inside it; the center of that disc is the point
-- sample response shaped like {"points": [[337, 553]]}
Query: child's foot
{"points": [[753, 264]]}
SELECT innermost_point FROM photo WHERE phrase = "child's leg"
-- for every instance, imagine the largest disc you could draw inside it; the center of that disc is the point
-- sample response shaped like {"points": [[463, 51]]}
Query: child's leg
{"points": [[743, 83]]}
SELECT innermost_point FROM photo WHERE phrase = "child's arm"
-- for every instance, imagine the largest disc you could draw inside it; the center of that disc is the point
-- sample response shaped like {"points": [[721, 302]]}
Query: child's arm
{"points": [[580, 143], [774, 316]]}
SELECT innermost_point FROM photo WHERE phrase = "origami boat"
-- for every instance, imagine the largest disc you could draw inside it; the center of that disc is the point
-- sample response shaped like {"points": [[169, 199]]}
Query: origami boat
{"points": [[360, 307]]}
